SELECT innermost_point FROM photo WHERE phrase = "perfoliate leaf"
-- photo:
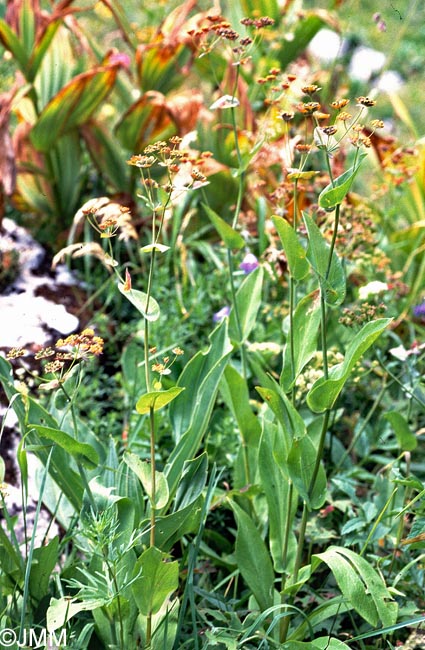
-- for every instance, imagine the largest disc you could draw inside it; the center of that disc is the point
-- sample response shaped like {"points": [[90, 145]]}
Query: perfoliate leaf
{"points": [[157, 399], [147, 306]]}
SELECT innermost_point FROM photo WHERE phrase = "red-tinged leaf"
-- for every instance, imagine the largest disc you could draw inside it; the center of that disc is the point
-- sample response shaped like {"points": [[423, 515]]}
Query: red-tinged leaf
{"points": [[159, 66], [12, 43], [105, 153], [145, 121], [40, 50], [7, 160], [73, 105]]}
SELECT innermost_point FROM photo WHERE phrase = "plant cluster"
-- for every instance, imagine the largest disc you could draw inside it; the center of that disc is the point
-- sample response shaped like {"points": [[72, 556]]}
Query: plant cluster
{"points": [[265, 491]]}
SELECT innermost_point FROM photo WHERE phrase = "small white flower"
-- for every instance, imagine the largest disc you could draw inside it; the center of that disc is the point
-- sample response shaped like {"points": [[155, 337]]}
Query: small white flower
{"points": [[226, 101], [400, 353], [372, 288]]}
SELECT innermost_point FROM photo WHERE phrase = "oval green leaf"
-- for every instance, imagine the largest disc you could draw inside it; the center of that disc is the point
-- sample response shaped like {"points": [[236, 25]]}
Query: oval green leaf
{"points": [[295, 253]]}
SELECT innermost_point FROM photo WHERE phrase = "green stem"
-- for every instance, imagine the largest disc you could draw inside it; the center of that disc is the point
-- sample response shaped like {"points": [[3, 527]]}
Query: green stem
{"points": [[378, 520], [115, 583], [236, 310], [364, 424], [298, 561], [29, 559], [236, 213], [153, 470]]}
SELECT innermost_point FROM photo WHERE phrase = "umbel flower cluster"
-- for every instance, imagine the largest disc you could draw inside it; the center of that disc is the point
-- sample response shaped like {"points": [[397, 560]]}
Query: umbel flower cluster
{"points": [[58, 361]]}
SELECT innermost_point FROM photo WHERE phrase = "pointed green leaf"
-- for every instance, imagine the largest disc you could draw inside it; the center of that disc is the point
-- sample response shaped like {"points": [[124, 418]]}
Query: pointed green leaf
{"points": [[234, 390], [82, 452], [306, 324], [62, 609], [332, 282], [274, 478], [248, 300], [44, 561], [192, 482], [190, 413], [324, 392], [149, 308], [335, 192], [287, 415], [157, 399], [27, 25], [158, 579], [405, 437], [231, 238], [301, 461], [360, 584], [295, 253], [253, 559], [41, 48], [12, 43]]}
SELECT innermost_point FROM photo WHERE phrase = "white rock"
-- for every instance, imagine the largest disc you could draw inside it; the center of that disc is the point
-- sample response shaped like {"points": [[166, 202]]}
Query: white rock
{"points": [[326, 46], [365, 62], [24, 315]]}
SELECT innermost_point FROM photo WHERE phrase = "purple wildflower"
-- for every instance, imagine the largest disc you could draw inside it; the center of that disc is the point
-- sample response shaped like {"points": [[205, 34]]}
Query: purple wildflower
{"points": [[120, 58], [419, 310], [249, 263], [220, 315]]}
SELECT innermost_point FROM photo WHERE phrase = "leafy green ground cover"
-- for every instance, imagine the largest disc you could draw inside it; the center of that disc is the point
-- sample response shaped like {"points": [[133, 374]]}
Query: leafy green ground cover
{"points": [[232, 445]]}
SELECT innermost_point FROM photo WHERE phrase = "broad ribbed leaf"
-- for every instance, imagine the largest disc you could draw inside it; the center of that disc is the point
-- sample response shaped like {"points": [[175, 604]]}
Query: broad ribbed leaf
{"points": [[145, 122], [253, 559], [73, 105], [360, 584]]}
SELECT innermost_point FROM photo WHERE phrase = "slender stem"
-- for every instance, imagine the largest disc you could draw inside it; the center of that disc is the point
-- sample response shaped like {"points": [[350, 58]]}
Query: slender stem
{"points": [[115, 583], [236, 213], [323, 333], [153, 470], [298, 561], [236, 311], [332, 247], [364, 424], [284, 622]]}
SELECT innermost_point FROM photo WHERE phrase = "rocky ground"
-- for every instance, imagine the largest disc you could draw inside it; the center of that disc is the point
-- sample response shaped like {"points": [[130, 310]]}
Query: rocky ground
{"points": [[36, 307]]}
